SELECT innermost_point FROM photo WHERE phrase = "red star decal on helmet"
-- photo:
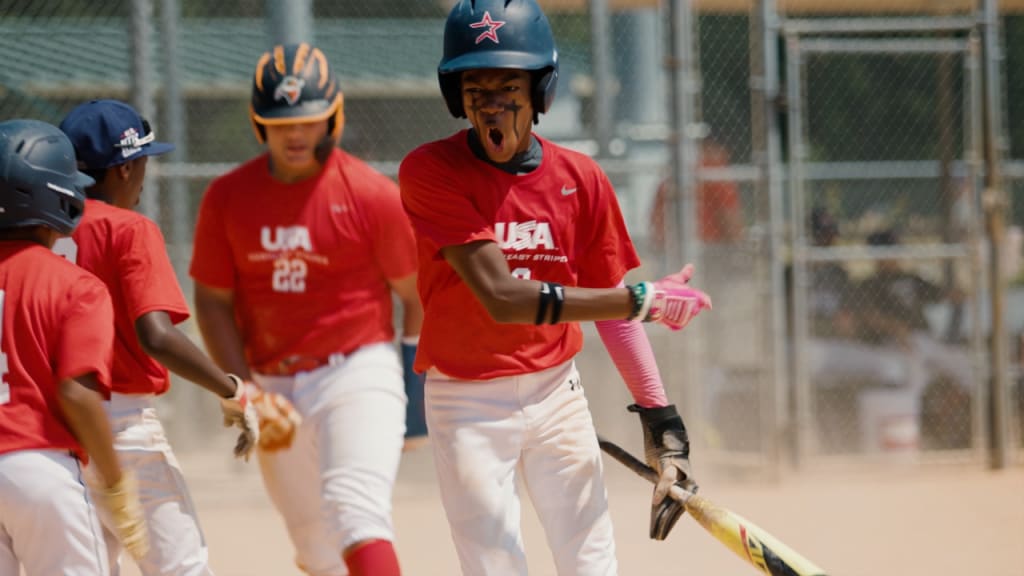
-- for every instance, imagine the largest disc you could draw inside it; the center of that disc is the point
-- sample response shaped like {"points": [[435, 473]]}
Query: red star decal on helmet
{"points": [[492, 28]]}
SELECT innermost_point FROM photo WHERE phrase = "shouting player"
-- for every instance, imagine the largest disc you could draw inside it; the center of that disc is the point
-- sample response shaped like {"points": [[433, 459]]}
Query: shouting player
{"points": [[297, 253], [56, 340], [519, 240]]}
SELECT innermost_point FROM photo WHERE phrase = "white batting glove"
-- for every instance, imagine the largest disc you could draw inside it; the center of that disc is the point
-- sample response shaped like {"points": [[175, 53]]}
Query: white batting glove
{"points": [[671, 301], [239, 411]]}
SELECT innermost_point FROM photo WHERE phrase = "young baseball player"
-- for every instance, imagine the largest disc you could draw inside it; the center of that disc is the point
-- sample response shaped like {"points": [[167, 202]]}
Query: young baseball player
{"points": [[296, 256], [56, 339], [519, 240], [126, 251]]}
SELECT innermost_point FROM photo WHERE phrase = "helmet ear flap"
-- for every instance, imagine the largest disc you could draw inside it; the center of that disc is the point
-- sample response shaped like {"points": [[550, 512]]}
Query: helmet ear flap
{"points": [[336, 121], [257, 128], [544, 83], [451, 89]]}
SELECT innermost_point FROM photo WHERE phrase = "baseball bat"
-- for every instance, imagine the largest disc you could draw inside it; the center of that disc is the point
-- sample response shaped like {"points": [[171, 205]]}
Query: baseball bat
{"points": [[747, 540]]}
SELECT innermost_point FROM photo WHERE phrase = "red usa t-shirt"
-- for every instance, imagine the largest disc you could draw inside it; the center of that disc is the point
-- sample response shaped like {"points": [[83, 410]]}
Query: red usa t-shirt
{"points": [[127, 252], [308, 262], [57, 323], [560, 223]]}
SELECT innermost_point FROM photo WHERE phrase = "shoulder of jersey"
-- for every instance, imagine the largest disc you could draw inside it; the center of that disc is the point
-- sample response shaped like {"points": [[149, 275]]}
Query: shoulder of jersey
{"points": [[245, 171], [439, 152], [60, 269]]}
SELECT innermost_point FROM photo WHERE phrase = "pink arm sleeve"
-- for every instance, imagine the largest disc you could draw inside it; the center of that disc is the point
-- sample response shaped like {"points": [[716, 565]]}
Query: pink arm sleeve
{"points": [[631, 352]]}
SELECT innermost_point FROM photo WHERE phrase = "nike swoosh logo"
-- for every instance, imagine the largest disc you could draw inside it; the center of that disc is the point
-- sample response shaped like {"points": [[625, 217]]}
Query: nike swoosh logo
{"points": [[568, 191]]}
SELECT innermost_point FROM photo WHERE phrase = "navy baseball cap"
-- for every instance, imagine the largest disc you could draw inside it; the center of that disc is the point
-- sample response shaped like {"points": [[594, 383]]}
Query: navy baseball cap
{"points": [[106, 133]]}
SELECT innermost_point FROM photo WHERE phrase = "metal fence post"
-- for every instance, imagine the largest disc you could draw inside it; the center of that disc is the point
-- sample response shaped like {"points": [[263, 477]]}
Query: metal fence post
{"points": [[143, 90], [767, 156], [994, 202], [290, 21], [600, 50]]}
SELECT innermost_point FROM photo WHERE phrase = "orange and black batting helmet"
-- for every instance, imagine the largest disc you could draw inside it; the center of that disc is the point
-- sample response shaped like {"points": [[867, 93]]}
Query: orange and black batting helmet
{"points": [[294, 83]]}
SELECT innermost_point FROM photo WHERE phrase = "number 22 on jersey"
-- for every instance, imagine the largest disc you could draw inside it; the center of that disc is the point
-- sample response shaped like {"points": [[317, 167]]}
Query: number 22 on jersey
{"points": [[290, 275]]}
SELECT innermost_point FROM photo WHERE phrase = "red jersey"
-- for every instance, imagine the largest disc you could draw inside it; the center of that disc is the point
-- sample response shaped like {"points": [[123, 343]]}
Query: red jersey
{"points": [[126, 251], [308, 262], [560, 223], [57, 323]]}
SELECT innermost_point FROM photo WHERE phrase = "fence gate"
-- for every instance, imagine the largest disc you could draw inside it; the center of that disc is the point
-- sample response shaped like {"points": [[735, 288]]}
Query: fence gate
{"points": [[883, 148]]}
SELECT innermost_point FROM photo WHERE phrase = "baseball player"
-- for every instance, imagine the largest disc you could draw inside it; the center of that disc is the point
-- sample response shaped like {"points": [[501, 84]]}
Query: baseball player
{"points": [[519, 240], [126, 251], [297, 253], [56, 339]]}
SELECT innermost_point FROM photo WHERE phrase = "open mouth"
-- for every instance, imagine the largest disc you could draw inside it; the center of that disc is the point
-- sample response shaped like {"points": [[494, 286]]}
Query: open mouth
{"points": [[496, 137]]}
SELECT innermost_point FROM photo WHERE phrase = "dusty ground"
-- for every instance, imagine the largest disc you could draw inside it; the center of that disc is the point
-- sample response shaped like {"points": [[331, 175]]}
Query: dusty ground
{"points": [[905, 521]]}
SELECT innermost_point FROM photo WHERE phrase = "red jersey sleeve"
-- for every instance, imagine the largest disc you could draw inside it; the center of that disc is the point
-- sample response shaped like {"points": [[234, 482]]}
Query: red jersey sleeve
{"points": [[609, 252], [212, 261], [85, 343], [438, 207], [394, 246], [148, 282]]}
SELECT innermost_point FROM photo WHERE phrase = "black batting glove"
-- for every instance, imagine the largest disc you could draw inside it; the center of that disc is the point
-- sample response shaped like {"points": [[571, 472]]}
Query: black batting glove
{"points": [[667, 450]]}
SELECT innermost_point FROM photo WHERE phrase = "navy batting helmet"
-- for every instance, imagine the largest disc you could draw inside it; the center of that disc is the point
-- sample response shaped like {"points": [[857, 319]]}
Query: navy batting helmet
{"points": [[498, 34], [294, 83], [40, 184]]}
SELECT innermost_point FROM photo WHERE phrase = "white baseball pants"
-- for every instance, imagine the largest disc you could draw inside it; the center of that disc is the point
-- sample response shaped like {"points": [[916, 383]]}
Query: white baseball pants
{"points": [[47, 522], [333, 487], [176, 542], [487, 434]]}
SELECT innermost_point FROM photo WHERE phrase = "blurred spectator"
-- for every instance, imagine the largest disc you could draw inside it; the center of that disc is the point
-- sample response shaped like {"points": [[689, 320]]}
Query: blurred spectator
{"points": [[830, 285], [719, 219], [939, 375], [894, 300]]}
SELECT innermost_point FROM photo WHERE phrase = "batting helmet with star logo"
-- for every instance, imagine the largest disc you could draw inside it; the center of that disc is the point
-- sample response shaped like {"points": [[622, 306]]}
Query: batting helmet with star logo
{"points": [[294, 83], [513, 34]]}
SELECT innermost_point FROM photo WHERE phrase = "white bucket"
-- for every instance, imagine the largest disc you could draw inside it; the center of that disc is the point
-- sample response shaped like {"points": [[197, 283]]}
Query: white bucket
{"points": [[889, 421]]}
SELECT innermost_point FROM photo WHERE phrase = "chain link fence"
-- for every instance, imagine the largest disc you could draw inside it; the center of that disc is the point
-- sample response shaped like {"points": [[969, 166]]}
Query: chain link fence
{"points": [[834, 217]]}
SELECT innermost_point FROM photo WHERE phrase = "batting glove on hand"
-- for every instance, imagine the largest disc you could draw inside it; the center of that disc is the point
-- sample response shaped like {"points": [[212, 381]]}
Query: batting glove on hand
{"points": [[121, 501], [278, 420], [667, 450], [671, 301], [239, 411]]}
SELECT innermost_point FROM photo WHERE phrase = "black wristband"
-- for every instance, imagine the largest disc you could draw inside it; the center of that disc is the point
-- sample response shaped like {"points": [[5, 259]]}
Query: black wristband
{"points": [[556, 304], [550, 293]]}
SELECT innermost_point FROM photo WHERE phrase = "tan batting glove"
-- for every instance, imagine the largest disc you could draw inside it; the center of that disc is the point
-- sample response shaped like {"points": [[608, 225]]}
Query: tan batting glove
{"points": [[239, 411], [121, 501], [279, 422]]}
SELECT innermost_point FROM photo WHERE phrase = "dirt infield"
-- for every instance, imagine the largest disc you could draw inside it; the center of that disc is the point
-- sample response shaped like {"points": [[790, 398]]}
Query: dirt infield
{"points": [[909, 522]]}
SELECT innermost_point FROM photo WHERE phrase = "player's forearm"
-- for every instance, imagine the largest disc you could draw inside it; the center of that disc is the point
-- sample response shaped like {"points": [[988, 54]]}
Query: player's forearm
{"points": [[632, 354], [518, 302], [511, 300], [182, 357], [169, 346], [83, 411]]}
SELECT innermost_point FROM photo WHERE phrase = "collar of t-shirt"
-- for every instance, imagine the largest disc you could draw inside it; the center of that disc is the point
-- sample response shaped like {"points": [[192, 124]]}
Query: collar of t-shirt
{"points": [[522, 163]]}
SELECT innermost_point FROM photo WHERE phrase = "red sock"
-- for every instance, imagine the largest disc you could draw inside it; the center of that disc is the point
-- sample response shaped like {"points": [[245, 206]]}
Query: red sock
{"points": [[374, 558]]}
